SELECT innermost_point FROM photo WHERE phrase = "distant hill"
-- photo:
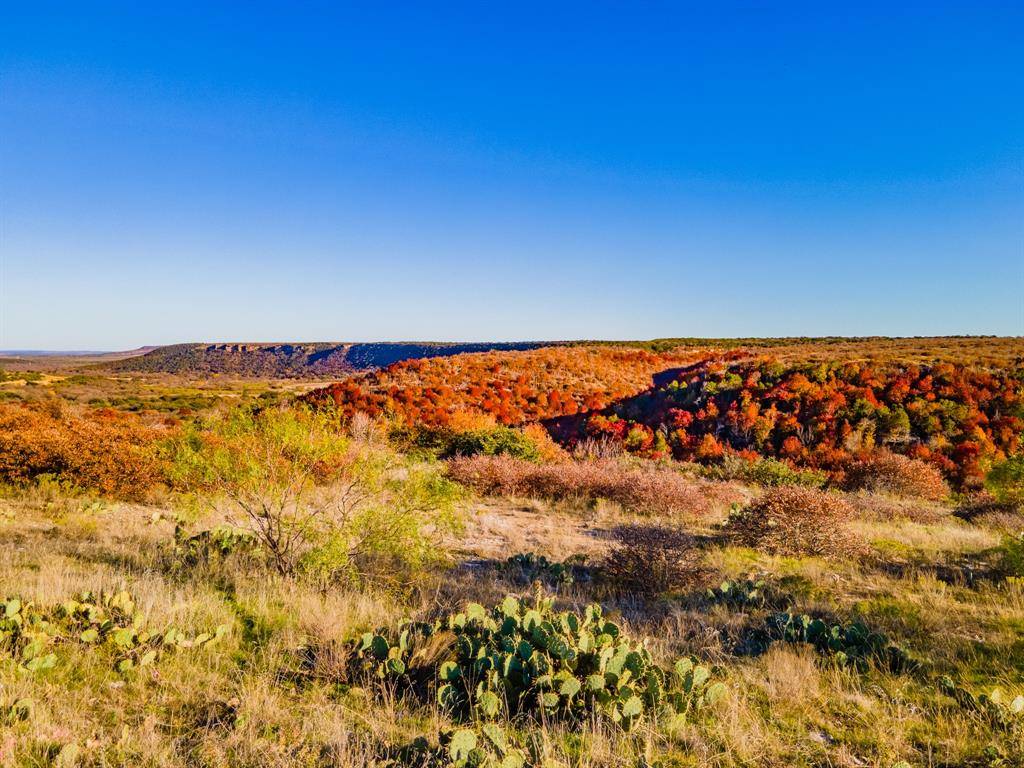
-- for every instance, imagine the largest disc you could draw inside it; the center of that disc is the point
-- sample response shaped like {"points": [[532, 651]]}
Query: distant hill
{"points": [[297, 360], [50, 360]]}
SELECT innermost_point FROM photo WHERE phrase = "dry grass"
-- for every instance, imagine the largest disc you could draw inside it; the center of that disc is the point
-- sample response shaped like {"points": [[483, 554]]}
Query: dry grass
{"points": [[931, 541], [242, 703], [501, 527], [984, 509], [885, 507]]}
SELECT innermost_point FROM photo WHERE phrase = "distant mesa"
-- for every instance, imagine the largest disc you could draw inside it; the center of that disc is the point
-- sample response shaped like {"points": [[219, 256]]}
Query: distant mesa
{"points": [[293, 359]]}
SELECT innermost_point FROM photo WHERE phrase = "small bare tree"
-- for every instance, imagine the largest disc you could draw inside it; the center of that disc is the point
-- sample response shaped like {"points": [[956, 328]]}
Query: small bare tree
{"points": [[275, 466], [312, 496]]}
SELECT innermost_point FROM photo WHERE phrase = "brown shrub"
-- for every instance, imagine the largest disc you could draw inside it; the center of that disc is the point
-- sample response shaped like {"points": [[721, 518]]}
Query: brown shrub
{"points": [[108, 452], [647, 490], [654, 559], [887, 472], [795, 521]]}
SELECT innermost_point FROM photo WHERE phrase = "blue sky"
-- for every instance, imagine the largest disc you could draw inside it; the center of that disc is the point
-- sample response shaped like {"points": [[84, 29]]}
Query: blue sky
{"points": [[508, 171]]}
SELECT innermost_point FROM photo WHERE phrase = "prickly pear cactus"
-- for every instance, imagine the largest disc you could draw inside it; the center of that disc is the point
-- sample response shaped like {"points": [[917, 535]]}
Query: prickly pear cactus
{"points": [[485, 745], [216, 542], [743, 593], [32, 636], [25, 635], [526, 567], [852, 644], [522, 659], [1003, 711]]}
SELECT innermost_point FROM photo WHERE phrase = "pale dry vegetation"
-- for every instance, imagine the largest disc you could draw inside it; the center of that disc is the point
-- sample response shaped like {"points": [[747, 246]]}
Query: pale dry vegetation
{"points": [[795, 521], [887, 472], [639, 488], [252, 699]]}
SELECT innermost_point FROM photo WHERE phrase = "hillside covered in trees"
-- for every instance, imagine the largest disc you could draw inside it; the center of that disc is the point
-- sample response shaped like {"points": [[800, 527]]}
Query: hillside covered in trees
{"points": [[956, 411], [513, 387], [822, 414]]}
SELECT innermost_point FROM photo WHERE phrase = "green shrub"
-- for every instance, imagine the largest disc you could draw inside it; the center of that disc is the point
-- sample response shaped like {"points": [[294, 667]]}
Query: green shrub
{"points": [[1010, 556], [27, 376], [445, 443], [1006, 480], [391, 530], [270, 465], [317, 504], [766, 472]]}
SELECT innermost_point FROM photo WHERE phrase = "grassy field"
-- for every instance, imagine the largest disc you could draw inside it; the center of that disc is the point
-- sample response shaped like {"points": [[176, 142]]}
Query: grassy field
{"points": [[247, 700], [235, 589]]}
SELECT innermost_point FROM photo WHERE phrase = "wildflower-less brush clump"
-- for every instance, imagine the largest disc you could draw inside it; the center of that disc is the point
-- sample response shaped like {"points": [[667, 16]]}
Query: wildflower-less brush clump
{"points": [[653, 559], [640, 489], [33, 636], [520, 661], [887, 472], [795, 521]]}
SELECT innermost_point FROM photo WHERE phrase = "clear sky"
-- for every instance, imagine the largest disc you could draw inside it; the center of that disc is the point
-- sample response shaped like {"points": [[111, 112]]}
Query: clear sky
{"points": [[492, 171]]}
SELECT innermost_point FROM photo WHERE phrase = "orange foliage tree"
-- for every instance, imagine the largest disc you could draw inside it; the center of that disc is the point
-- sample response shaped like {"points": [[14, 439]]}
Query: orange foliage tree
{"points": [[106, 451]]}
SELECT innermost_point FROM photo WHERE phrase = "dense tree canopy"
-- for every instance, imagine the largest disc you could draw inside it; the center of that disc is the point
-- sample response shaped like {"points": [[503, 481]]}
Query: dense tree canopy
{"points": [[961, 417], [514, 387], [958, 417]]}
